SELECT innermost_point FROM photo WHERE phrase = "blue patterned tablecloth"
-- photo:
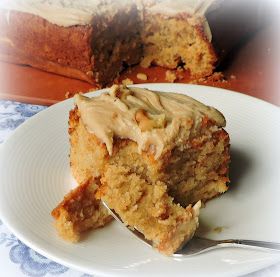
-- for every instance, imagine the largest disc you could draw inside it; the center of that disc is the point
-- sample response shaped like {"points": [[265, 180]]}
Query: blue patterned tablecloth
{"points": [[16, 259]]}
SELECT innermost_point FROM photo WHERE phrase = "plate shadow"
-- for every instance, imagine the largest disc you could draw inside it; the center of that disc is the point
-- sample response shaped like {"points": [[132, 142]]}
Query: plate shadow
{"points": [[240, 164]]}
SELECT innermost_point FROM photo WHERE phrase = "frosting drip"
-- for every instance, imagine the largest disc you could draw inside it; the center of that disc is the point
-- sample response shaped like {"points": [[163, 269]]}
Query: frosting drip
{"points": [[151, 119]]}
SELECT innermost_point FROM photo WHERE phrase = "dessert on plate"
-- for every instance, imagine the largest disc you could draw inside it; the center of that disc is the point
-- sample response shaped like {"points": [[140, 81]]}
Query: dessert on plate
{"points": [[153, 157]]}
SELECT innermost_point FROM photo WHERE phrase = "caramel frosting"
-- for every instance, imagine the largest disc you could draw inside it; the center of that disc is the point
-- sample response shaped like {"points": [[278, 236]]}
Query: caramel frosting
{"points": [[151, 119], [64, 12]]}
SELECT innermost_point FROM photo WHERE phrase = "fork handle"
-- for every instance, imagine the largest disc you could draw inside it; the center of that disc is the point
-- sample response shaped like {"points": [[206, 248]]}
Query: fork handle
{"points": [[253, 243]]}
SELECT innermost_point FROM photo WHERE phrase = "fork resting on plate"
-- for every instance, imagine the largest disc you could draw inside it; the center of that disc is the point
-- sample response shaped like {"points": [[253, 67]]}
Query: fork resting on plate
{"points": [[199, 245]]}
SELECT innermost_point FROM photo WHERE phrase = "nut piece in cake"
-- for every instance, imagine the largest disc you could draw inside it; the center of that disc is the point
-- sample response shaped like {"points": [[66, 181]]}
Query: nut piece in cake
{"points": [[142, 76], [155, 153]]}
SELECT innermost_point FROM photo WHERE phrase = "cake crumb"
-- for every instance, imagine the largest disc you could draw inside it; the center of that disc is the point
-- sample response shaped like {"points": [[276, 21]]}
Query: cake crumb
{"points": [[89, 73], [170, 76], [67, 94], [216, 77], [180, 73], [142, 76], [218, 229], [127, 81], [233, 77]]}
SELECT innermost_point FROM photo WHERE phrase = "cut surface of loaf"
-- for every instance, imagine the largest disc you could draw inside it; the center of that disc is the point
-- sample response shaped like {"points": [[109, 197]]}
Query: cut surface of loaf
{"points": [[156, 154], [172, 37]]}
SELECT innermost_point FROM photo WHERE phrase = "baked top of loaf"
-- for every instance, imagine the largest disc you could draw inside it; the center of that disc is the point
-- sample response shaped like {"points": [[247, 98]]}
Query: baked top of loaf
{"points": [[70, 12], [152, 119]]}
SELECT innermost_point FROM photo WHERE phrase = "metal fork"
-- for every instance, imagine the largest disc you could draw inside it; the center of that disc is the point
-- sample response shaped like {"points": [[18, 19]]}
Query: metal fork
{"points": [[198, 245]]}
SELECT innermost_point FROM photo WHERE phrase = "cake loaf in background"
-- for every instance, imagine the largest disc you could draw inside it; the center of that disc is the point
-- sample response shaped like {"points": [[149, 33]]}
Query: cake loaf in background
{"points": [[94, 40], [87, 40]]}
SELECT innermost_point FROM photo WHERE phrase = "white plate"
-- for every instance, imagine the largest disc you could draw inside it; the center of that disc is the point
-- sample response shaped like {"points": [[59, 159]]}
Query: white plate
{"points": [[35, 175]]}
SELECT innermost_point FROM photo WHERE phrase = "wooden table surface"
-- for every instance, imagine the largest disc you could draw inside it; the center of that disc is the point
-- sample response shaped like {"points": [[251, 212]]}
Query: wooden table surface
{"points": [[252, 69]]}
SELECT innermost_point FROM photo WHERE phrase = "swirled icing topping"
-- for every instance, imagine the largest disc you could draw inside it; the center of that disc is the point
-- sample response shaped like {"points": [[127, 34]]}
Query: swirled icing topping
{"points": [[151, 119], [64, 12], [80, 12]]}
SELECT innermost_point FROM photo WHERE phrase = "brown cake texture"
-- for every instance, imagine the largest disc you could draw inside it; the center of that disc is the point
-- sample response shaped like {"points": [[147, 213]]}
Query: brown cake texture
{"points": [[80, 211], [175, 36], [147, 207], [156, 156], [95, 52]]}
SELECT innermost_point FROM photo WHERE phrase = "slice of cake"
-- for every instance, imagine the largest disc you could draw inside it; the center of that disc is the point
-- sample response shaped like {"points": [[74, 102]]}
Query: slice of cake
{"points": [[156, 154], [79, 39], [176, 33], [80, 211]]}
